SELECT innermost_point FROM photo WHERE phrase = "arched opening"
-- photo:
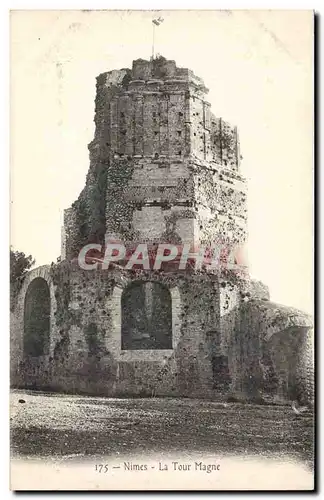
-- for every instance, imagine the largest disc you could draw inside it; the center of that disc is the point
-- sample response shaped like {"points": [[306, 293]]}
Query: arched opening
{"points": [[219, 362], [291, 353], [146, 317], [37, 318]]}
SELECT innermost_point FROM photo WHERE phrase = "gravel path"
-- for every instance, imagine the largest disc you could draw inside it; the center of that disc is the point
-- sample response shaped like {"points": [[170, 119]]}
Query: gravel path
{"points": [[61, 426]]}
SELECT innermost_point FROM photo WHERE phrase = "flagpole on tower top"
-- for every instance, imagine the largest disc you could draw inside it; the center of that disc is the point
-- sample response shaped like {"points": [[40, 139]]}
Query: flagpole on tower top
{"points": [[155, 22], [153, 40]]}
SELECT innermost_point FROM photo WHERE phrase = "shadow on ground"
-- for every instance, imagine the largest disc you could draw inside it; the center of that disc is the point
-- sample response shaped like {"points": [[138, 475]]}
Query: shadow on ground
{"points": [[62, 426]]}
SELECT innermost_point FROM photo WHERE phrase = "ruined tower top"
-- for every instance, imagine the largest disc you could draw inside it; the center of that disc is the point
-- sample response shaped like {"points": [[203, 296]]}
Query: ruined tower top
{"points": [[151, 75], [157, 109], [163, 168]]}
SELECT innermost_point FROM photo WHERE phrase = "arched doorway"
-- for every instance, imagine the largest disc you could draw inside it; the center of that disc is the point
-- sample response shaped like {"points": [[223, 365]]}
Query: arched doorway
{"points": [[37, 310], [146, 316]]}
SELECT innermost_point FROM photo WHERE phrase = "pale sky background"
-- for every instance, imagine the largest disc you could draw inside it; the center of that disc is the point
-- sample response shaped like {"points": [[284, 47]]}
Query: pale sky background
{"points": [[258, 66]]}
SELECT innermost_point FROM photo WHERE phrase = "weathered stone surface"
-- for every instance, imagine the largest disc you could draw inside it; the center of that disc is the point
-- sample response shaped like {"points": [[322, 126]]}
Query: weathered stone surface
{"points": [[282, 352], [162, 169], [221, 344], [158, 152]]}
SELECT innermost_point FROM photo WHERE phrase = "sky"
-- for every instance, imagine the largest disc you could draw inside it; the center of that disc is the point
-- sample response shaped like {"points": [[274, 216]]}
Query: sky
{"points": [[258, 66]]}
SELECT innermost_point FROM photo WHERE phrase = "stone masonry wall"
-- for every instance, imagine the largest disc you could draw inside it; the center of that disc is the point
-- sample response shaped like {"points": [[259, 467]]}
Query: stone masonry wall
{"points": [[281, 355], [150, 122], [85, 354], [220, 204], [265, 350], [163, 168], [24, 370]]}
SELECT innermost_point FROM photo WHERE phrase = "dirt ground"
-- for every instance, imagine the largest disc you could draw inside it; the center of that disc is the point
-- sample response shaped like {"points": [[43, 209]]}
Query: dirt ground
{"points": [[66, 426]]}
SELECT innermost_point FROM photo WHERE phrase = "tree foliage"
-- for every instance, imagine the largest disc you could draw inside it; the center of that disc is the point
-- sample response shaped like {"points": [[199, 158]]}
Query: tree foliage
{"points": [[20, 264]]}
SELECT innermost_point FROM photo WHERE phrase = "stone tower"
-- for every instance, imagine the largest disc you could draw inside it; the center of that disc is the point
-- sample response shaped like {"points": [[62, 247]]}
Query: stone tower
{"points": [[163, 168]]}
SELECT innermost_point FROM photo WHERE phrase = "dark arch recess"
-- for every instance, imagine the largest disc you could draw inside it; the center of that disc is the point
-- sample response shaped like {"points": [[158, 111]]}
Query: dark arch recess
{"points": [[146, 316], [37, 311]]}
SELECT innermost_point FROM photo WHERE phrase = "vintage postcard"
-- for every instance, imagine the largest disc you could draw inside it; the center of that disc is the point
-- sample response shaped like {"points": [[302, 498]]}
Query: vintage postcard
{"points": [[161, 301]]}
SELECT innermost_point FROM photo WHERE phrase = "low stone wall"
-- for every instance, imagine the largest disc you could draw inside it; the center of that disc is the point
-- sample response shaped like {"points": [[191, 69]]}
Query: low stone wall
{"points": [[228, 339], [85, 339], [281, 354]]}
